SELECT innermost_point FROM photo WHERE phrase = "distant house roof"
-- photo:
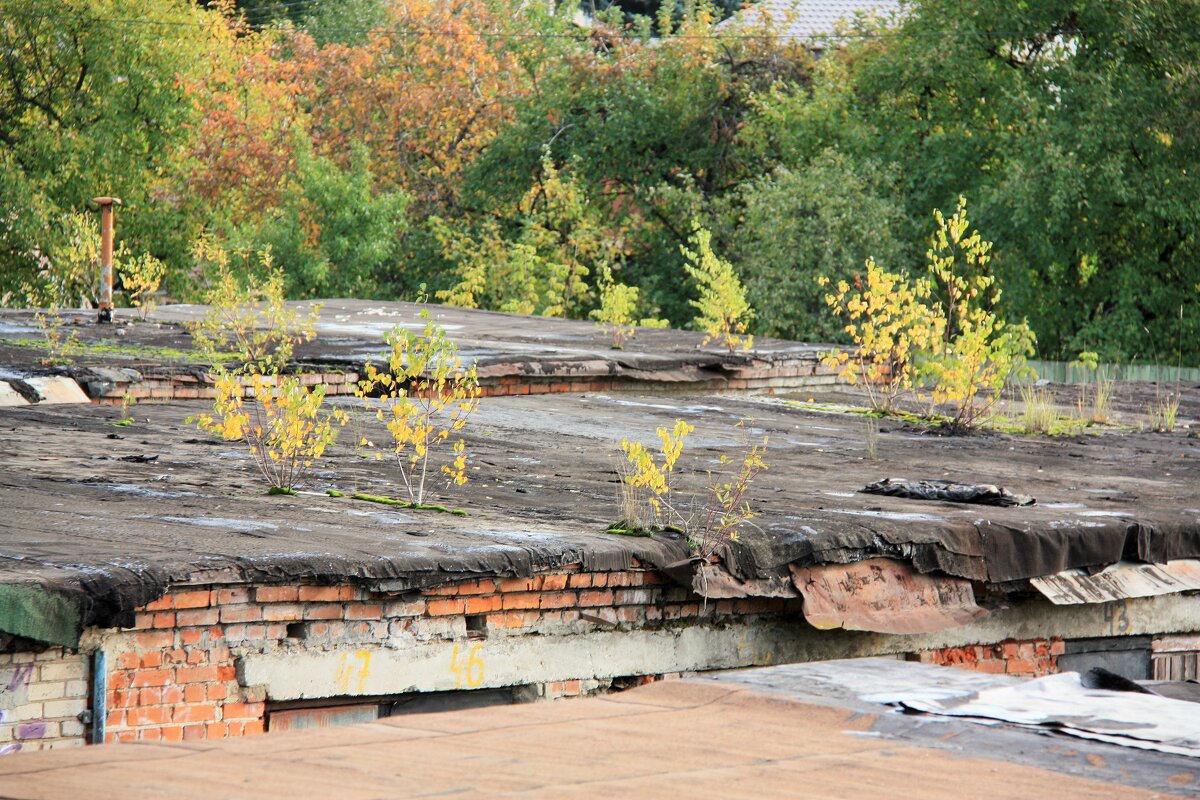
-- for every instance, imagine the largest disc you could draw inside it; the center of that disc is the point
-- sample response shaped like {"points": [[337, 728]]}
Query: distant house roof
{"points": [[808, 19]]}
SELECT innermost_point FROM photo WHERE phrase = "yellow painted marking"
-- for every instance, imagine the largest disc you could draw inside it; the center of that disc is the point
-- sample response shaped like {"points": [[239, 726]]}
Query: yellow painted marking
{"points": [[353, 671], [467, 671]]}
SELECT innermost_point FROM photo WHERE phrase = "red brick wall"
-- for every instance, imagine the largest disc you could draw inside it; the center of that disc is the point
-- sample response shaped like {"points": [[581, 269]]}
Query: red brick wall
{"points": [[1028, 658], [173, 676]]}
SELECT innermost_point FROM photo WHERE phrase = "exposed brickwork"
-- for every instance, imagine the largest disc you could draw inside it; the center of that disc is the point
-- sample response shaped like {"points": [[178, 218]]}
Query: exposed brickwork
{"points": [[163, 385], [41, 698], [1026, 659], [174, 675]]}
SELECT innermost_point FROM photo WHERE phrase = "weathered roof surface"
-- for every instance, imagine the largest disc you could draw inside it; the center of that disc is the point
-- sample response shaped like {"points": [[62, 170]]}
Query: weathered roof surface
{"points": [[350, 332], [752, 733], [809, 20], [108, 517]]}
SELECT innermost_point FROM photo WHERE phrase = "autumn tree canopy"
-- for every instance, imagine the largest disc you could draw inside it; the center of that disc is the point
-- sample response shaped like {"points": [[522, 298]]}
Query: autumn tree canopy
{"points": [[502, 154]]}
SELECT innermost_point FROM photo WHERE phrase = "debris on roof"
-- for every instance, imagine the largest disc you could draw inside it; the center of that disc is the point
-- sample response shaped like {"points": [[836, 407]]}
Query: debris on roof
{"points": [[949, 491]]}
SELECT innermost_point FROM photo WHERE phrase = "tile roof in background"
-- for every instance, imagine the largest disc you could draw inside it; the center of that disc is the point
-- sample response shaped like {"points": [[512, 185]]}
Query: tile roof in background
{"points": [[805, 19]]}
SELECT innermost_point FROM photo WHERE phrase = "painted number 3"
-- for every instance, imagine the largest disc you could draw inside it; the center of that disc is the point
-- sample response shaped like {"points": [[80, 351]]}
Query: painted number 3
{"points": [[1116, 616], [468, 670]]}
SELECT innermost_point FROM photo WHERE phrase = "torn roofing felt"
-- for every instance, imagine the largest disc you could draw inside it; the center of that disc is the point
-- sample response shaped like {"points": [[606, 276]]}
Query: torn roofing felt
{"points": [[986, 494], [106, 590], [981, 550]]}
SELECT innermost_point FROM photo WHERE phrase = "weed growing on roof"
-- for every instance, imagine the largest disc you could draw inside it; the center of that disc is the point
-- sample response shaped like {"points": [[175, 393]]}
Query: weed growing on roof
{"points": [[940, 332], [128, 401], [618, 310], [871, 437], [283, 426], [424, 398], [708, 519], [61, 345], [724, 310], [1095, 397], [728, 503], [107, 348], [391, 501], [279, 419], [647, 482], [141, 277], [1165, 406], [979, 351], [1162, 411], [249, 318], [1038, 413], [890, 325]]}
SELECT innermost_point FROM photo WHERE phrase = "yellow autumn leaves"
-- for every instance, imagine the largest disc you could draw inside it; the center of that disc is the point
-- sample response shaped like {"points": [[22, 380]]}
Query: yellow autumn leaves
{"points": [[941, 332], [423, 397], [708, 519]]}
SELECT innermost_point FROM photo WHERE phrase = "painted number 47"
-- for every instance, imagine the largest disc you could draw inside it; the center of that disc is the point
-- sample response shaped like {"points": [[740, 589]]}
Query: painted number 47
{"points": [[468, 669]]}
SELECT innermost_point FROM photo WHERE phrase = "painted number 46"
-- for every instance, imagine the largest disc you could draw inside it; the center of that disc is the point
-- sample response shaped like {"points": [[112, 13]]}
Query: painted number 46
{"points": [[468, 669]]}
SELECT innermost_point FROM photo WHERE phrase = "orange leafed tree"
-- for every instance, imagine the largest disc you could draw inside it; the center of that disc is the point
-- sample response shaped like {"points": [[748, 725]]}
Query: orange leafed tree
{"points": [[243, 150], [426, 93]]}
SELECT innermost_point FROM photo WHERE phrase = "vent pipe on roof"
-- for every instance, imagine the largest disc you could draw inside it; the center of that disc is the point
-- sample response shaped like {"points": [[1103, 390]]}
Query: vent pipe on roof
{"points": [[106, 255]]}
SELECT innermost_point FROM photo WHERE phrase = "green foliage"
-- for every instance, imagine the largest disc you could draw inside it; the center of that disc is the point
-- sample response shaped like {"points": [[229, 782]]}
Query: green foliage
{"points": [[68, 274], [1038, 413], [652, 130], [617, 313], [1071, 127], [337, 234], [248, 317], [540, 264], [88, 108], [978, 351], [502, 155], [724, 311], [62, 344], [141, 277], [1162, 411], [823, 218]]}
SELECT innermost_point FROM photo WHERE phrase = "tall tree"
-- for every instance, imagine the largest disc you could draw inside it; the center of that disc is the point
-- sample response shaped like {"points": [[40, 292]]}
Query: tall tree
{"points": [[1072, 126], [91, 104]]}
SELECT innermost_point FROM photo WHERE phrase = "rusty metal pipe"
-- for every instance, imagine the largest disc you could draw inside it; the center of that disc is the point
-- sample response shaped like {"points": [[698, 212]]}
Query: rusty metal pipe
{"points": [[106, 256]]}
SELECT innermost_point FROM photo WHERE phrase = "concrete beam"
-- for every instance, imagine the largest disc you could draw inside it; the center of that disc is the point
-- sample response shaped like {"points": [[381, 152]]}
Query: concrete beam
{"points": [[514, 660]]}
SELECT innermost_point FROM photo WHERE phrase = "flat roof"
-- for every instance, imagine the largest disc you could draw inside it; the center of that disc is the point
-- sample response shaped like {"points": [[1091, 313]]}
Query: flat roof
{"points": [[775, 731], [108, 517]]}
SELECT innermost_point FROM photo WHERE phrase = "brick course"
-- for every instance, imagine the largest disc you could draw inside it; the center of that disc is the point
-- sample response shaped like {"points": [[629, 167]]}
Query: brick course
{"points": [[174, 676], [181, 682], [1028, 658], [166, 385], [41, 697]]}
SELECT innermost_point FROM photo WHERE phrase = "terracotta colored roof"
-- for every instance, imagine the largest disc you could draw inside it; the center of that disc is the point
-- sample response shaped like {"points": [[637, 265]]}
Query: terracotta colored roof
{"points": [[695, 739]]}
